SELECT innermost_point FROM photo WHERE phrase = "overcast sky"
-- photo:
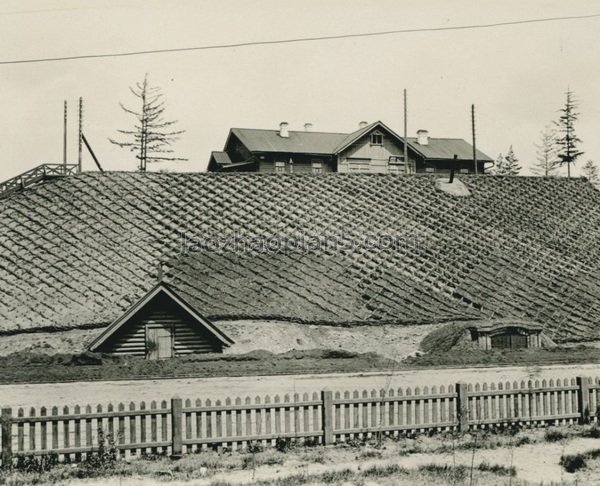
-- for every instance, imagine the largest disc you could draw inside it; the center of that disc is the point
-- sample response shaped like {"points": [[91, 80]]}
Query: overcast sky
{"points": [[515, 75]]}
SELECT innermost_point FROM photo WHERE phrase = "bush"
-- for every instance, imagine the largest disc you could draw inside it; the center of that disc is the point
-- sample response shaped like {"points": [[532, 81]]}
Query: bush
{"points": [[106, 455], [573, 462], [255, 447], [593, 432], [283, 444], [39, 464], [553, 435]]}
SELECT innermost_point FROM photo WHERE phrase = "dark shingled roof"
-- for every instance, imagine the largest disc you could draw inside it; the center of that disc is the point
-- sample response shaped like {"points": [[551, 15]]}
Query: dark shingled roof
{"points": [[257, 140], [221, 157], [80, 250]]}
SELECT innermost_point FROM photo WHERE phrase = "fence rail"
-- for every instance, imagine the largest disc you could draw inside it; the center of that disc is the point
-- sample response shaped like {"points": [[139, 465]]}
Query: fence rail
{"points": [[35, 176], [178, 427]]}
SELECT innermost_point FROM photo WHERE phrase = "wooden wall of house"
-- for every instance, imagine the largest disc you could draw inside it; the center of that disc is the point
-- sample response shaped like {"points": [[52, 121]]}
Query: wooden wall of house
{"points": [[444, 166], [302, 164], [361, 156], [188, 338]]}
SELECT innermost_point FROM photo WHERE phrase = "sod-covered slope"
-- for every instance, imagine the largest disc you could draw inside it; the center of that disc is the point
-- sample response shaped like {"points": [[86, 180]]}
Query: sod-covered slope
{"points": [[79, 250]]}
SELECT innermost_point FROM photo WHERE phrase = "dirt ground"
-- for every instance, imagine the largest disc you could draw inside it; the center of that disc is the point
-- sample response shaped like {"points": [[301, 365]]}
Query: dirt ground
{"points": [[395, 342], [391, 341], [104, 392]]}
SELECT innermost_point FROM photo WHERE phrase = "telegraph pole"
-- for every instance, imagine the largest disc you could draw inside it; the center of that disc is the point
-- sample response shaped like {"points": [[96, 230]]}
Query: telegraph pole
{"points": [[65, 139], [474, 143], [79, 148], [406, 165]]}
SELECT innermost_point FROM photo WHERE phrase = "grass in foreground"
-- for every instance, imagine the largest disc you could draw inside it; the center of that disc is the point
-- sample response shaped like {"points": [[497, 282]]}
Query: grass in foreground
{"points": [[371, 461]]}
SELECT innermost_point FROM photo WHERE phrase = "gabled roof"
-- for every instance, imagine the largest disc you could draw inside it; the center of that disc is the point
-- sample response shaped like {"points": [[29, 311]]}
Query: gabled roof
{"points": [[356, 135], [221, 158], [324, 143], [318, 143], [164, 289], [446, 148], [81, 250]]}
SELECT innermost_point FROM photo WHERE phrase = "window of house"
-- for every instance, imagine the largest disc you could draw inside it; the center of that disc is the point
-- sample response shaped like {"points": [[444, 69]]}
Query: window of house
{"points": [[430, 169], [317, 166], [464, 171], [279, 166], [376, 138], [396, 159]]}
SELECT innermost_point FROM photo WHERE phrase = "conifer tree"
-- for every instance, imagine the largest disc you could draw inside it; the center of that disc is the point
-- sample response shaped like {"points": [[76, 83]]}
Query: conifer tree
{"points": [[567, 142], [590, 171], [151, 137], [547, 160], [498, 165], [509, 165]]}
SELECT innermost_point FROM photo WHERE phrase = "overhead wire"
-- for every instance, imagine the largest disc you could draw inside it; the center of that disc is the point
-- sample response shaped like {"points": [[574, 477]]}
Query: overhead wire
{"points": [[299, 40]]}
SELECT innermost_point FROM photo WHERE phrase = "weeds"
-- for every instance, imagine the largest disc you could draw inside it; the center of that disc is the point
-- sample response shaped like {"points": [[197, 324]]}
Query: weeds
{"points": [[554, 435], [497, 469], [33, 464]]}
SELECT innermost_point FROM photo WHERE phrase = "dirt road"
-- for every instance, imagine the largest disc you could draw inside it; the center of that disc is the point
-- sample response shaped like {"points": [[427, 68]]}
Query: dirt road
{"points": [[104, 392]]}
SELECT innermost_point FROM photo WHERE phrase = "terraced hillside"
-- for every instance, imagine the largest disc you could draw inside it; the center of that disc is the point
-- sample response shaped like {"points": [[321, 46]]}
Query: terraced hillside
{"points": [[79, 250]]}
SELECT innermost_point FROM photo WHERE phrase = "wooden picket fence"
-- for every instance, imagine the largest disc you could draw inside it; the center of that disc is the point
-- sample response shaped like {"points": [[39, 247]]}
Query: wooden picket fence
{"points": [[178, 427]]}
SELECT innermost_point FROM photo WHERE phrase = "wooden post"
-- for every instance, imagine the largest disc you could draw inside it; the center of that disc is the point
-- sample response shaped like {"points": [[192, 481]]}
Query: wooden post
{"points": [[474, 140], [405, 147], [6, 431], [80, 135], [462, 407], [176, 427], [65, 139], [583, 398], [327, 398]]}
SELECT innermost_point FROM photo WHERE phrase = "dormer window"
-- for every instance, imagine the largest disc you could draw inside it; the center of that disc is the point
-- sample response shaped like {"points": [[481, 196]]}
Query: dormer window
{"points": [[376, 138]]}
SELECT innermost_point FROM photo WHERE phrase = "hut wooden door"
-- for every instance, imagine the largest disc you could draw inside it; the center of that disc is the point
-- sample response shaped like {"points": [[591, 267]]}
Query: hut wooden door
{"points": [[159, 342]]}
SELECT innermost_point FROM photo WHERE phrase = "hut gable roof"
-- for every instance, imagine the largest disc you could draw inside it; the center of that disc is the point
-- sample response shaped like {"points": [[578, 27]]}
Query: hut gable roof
{"points": [[83, 249], [161, 289]]}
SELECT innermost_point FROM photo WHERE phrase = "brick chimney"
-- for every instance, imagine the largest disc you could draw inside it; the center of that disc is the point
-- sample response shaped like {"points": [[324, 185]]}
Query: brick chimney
{"points": [[283, 130], [362, 124], [422, 137], [308, 127]]}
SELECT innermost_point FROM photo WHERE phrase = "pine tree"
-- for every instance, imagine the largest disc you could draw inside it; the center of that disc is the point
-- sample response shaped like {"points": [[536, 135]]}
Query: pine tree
{"points": [[509, 166], [590, 170], [547, 160], [566, 141], [498, 165], [150, 138]]}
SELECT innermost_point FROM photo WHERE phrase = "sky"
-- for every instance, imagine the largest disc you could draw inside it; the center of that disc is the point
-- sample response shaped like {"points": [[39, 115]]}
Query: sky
{"points": [[515, 75]]}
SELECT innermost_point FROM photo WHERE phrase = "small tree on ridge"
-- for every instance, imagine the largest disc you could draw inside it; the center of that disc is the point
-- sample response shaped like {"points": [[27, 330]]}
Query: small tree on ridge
{"points": [[509, 166], [547, 160], [151, 137], [567, 142]]}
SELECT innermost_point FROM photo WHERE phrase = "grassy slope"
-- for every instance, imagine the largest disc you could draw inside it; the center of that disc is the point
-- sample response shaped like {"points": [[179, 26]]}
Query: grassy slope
{"points": [[31, 368]]}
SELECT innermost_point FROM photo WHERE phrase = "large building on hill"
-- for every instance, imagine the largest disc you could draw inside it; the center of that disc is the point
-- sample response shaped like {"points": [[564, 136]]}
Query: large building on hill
{"points": [[373, 148], [81, 251]]}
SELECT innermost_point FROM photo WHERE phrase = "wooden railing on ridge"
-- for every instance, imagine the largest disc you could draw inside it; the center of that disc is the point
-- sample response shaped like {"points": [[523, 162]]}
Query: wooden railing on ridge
{"points": [[184, 426], [35, 176]]}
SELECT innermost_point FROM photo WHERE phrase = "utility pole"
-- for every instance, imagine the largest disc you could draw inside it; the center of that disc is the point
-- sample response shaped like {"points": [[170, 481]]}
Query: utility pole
{"points": [[474, 142], [79, 148], [65, 139], [406, 164]]}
